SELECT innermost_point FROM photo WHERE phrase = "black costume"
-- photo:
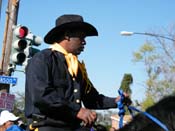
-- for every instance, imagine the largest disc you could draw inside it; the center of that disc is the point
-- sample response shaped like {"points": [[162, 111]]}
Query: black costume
{"points": [[53, 94]]}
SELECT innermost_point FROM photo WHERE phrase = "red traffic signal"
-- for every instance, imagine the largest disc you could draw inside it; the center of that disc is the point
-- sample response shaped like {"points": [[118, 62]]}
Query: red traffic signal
{"points": [[21, 31]]}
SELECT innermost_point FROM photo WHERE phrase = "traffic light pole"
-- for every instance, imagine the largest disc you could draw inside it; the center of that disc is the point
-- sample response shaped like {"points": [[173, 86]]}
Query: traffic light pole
{"points": [[11, 19]]}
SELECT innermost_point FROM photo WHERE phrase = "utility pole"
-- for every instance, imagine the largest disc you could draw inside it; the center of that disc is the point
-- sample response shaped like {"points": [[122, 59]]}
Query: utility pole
{"points": [[11, 20]]}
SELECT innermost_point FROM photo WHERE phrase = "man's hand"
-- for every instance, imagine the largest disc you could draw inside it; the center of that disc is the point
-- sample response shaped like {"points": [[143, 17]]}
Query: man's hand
{"points": [[126, 101], [87, 116]]}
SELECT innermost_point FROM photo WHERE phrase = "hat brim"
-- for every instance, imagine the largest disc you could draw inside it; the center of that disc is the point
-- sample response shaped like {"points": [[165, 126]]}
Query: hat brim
{"points": [[52, 35], [4, 120]]}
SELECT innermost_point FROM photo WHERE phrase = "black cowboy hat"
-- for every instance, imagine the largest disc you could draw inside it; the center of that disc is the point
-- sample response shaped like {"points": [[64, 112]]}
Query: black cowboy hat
{"points": [[71, 22]]}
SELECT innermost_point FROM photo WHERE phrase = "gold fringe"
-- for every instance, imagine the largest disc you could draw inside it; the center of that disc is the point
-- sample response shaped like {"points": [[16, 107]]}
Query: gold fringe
{"points": [[85, 77]]}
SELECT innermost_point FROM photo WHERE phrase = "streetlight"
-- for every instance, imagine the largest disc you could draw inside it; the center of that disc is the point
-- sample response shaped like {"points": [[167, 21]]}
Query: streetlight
{"points": [[129, 33]]}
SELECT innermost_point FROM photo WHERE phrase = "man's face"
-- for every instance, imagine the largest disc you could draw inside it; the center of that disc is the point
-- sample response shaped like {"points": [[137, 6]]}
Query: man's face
{"points": [[77, 43], [8, 124]]}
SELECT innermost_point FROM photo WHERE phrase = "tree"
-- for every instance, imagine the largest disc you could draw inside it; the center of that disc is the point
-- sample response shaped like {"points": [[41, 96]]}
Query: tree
{"points": [[158, 56], [126, 82], [125, 87], [149, 101], [19, 105]]}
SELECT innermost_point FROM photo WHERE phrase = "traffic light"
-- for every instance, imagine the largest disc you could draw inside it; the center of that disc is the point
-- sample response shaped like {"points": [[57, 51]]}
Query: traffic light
{"points": [[22, 45]]}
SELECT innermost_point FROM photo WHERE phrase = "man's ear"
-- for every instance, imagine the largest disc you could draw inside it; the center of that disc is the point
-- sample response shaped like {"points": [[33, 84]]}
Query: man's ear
{"points": [[67, 38]]}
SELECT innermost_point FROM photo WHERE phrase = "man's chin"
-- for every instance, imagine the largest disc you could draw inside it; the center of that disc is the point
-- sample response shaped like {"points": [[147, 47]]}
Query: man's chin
{"points": [[79, 52]]}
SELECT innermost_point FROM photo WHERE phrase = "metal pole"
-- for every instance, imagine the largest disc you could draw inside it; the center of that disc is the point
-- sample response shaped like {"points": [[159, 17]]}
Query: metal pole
{"points": [[129, 33], [155, 35]]}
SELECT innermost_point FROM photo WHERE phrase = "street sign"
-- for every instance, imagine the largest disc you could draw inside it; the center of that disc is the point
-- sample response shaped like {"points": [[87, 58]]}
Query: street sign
{"points": [[7, 101], [8, 80]]}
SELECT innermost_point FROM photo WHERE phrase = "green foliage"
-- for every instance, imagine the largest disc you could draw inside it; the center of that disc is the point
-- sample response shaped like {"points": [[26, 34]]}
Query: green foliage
{"points": [[137, 56], [126, 82], [149, 101], [157, 55], [125, 86], [19, 105], [147, 47], [144, 50]]}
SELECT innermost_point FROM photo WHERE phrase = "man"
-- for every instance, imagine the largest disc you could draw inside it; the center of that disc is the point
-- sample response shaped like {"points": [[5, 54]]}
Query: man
{"points": [[57, 84], [8, 121]]}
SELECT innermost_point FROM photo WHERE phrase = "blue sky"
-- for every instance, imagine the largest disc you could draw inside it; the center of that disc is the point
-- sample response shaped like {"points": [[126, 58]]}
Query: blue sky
{"points": [[109, 55]]}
